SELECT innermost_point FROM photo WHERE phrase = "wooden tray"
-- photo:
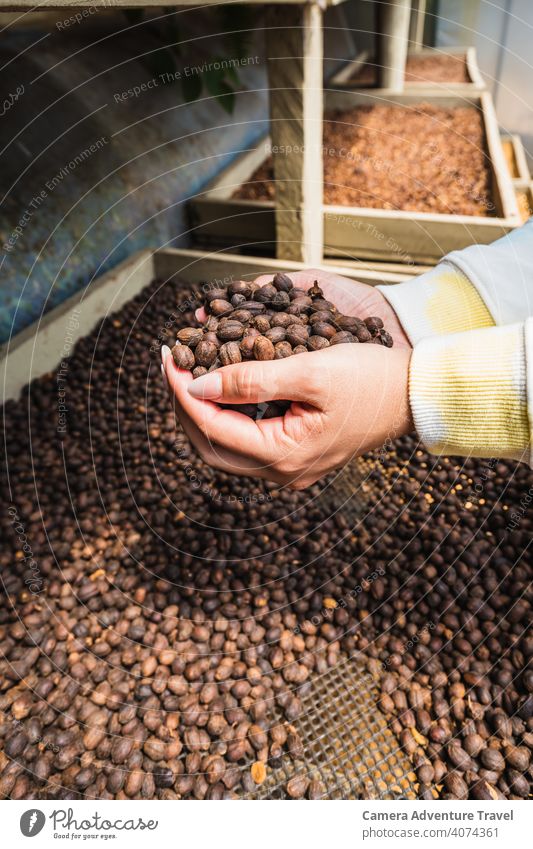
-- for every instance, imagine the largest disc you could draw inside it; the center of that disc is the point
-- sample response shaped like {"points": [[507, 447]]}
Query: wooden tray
{"points": [[218, 219], [43, 345], [345, 79]]}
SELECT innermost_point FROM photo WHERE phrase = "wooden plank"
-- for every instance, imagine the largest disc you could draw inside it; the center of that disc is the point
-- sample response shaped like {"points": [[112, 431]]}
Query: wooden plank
{"points": [[515, 157], [524, 198], [502, 185], [295, 69], [395, 235], [416, 26], [474, 73], [393, 40], [197, 266], [30, 5], [46, 343]]}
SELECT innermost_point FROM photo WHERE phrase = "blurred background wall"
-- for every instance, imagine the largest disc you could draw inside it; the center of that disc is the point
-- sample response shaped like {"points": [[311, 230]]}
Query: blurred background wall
{"points": [[502, 32]]}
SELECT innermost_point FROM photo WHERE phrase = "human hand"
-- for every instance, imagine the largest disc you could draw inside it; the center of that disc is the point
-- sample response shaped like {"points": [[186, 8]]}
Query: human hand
{"points": [[351, 297], [347, 399]]}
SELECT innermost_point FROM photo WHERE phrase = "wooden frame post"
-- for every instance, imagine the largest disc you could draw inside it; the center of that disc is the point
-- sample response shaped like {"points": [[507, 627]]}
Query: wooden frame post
{"points": [[394, 16], [416, 25], [294, 47]]}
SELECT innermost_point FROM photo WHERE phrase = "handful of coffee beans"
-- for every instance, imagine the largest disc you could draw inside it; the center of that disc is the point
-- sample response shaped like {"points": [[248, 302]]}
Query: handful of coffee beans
{"points": [[251, 322]]}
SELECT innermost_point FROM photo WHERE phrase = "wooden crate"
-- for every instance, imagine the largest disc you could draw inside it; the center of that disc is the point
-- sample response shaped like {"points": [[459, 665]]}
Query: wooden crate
{"points": [[218, 219], [345, 78], [43, 345]]}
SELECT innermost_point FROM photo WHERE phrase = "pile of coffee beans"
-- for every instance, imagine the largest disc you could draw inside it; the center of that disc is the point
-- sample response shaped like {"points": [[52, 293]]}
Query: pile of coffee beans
{"points": [[162, 622], [251, 322], [418, 153]]}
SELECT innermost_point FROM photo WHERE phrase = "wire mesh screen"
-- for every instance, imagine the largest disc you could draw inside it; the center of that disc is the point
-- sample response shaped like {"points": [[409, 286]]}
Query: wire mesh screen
{"points": [[357, 487], [348, 745]]}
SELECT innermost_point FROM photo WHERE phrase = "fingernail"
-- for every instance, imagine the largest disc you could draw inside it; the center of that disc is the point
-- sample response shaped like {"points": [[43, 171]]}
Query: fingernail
{"points": [[165, 351], [208, 387], [164, 376]]}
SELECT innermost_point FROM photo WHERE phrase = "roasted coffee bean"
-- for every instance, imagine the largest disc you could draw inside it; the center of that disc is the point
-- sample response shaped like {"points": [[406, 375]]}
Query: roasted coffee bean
{"points": [[295, 745], [321, 328], [276, 334], [255, 307], [297, 786], [316, 790], [456, 786], [282, 350], [240, 287], [297, 334], [349, 323], [205, 354], [242, 316], [517, 757], [280, 301], [362, 333], [326, 316], [215, 295], [385, 339], [183, 357], [230, 331], [266, 294], [374, 324], [199, 371], [317, 343], [319, 303], [282, 282], [263, 348], [343, 337], [492, 759], [247, 347], [219, 307], [485, 792], [262, 323], [230, 353], [299, 307], [282, 319], [190, 336]]}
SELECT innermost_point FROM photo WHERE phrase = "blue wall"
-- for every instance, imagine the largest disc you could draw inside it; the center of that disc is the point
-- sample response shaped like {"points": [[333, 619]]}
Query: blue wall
{"points": [[89, 175]]}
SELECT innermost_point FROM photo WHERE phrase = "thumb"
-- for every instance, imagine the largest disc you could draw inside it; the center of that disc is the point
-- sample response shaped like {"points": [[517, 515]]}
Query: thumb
{"points": [[254, 382]]}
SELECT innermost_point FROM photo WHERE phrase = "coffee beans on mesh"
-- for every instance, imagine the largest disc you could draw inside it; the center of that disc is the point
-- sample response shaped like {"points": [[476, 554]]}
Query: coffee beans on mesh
{"points": [[163, 623]]}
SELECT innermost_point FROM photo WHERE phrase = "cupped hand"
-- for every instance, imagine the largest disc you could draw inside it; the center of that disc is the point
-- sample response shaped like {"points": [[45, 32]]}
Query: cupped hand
{"points": [[351, 297], [346, 399]]}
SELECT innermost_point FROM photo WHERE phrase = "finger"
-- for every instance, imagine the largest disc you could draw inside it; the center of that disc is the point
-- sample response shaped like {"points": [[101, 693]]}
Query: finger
{"points": [[295, 378], [200, 315], [215, 455], [225, 428]]}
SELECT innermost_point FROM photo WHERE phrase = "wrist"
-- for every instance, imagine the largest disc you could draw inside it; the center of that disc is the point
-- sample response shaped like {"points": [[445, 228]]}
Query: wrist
{"points": [[437, 303]]}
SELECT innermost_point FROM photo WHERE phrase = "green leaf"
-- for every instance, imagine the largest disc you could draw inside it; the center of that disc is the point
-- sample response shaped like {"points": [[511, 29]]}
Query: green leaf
{"points": [[226, 98], [191, 87]]}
